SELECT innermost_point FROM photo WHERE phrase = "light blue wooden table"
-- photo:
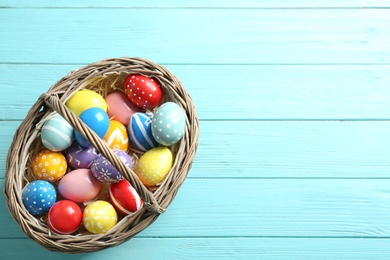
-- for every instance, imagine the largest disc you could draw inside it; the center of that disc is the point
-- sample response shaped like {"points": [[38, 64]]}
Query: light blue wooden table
{"points": [[294, 105]]}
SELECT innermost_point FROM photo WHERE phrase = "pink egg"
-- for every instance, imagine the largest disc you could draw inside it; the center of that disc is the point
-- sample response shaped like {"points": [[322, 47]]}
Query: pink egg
{"points": [[120, 107], [79, 185]]}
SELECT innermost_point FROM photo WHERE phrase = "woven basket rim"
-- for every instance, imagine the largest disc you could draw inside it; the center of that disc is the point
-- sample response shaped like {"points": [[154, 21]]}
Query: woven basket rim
{"points": [[105, 76]]}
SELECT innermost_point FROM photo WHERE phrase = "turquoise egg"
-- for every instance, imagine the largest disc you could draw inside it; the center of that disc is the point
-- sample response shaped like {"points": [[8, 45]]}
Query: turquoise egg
{"points": [[57, 134], [168, 124]]}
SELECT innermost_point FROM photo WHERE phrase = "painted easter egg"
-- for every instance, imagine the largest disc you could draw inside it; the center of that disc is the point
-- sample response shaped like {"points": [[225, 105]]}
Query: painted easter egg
{"points": [[64, 217], [168, 124], [99, 217], [140, 132], [84, 99], [57, 134], [125, 198], [104, 171], [80, 157], [79, 186], [119, 107], [96, 119], [154, 165], [116, 136], [48, 165], [144, 92], [38, 197]]}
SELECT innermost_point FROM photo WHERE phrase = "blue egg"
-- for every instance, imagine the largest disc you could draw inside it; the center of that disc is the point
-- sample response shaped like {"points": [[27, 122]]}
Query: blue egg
{"points": [[96, 119], [140, 132], [38, 197], [168, 124], [57, 134]]}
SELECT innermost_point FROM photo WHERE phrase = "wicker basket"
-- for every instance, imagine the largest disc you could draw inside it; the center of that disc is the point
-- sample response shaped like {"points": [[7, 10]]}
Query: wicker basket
{"points": [[103, 77]]}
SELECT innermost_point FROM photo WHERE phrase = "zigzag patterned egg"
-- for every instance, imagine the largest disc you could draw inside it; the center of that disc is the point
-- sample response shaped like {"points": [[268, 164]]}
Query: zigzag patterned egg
{"points": [[57, 134], [116, 136], [140, 132]]}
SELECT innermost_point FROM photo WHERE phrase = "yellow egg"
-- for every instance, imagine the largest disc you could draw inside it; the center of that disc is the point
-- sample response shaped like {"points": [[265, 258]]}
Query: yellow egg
{"points": [[117, 137], [154, 165], [49, 166], [99, 217], [84, 99]]}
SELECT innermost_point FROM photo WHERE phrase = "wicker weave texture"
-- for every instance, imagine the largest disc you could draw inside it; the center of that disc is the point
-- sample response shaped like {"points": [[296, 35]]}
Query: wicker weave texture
{"points": [[103, 77]]}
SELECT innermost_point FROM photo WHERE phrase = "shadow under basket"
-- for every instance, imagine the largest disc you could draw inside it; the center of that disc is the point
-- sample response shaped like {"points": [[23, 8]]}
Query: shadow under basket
{"points": [[103, 77]]}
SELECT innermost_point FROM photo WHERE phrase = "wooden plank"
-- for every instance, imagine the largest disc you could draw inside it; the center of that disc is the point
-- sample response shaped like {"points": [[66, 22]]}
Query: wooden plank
{"points": [[273, 208], [219, 36], [237, 92], [216, 248], [272, 149], [198, 4]]}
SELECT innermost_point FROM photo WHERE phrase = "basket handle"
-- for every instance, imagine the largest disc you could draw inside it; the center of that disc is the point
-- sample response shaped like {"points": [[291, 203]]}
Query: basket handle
{"points": [[53, 101]]}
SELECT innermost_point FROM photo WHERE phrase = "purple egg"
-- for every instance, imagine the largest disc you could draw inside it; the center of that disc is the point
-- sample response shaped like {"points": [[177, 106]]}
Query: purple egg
{"points": [[80, 157], [104, 171]]}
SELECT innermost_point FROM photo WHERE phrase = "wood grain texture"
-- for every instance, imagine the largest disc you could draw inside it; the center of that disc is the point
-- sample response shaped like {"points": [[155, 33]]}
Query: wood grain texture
{"points": [[231, 92], [268, 208], [197, 36], [285, 149], [293, 158], [217, 248], [197, 4]]}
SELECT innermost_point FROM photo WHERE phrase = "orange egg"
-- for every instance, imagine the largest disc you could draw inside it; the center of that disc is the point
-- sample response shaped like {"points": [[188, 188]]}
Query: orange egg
{"points": [[117, 137], [49, 166]]}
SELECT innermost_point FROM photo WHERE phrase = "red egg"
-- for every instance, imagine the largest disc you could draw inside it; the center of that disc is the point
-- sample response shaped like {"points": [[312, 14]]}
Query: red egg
{"points": [[143, 91], [125, 198], [64, 217]]}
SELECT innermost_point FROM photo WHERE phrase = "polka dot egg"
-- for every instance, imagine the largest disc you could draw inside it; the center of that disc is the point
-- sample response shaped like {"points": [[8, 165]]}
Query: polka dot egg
{"points": [[50, 166], [144, 92], [99, 217], [154, 165], [38, 197], [168, 124], [57, 134]]}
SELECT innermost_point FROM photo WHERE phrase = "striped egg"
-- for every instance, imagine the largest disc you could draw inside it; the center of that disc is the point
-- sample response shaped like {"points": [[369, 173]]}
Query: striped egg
{"points": [[140, 132], [57, 134]]}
